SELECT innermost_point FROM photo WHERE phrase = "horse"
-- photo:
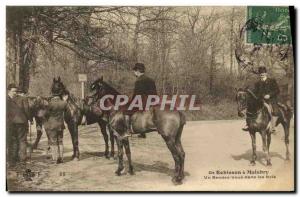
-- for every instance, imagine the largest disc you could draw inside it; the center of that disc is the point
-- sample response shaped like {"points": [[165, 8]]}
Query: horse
{"points": [[259, 120], [73, 117], [169, 125], [37, 105]]}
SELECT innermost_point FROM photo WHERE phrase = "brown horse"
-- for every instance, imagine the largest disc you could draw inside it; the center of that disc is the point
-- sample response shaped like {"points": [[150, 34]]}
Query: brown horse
{"points": [[169, 125], [259, 120]]}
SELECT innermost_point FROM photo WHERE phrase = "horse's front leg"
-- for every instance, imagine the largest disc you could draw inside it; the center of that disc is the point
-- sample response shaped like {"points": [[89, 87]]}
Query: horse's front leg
{"points": [[252, 134], [286, 127], [268, 148], [128, 154], [105, 136], [112, 142], [73, 129], [120, 157], [38, 135]]}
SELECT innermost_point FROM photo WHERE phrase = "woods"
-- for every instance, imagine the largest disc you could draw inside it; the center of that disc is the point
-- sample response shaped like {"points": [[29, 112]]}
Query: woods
{"points": [[187, 50]]}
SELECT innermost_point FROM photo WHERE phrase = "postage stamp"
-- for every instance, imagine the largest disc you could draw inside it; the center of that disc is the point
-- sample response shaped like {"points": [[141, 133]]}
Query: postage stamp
{"points": [[271, 25]]}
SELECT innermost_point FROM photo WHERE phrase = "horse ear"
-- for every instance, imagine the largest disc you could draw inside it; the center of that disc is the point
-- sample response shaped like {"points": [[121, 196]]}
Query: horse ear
{"points": [[54, 80], [58, 78], [101, 78]]}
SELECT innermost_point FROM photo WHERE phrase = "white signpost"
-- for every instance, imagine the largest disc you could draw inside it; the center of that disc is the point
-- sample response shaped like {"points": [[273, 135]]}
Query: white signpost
{"points": [[82, 78]]}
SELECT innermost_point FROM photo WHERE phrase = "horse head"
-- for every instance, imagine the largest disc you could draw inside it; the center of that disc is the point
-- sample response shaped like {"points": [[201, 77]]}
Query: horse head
{"points": [[247, 101], [58, 88]]}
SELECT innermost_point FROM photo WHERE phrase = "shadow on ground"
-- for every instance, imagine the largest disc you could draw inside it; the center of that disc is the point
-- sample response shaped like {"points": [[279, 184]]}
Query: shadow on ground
{"points": [[157, 166], [260, 156]]}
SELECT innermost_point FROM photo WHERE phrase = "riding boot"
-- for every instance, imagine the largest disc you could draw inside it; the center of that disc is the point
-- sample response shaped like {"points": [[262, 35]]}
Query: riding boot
{"points": [[54, 152], [270, 110], [60, 154]]}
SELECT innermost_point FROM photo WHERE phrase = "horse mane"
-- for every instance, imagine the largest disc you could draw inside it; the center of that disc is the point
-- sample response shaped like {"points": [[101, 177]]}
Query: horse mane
{"points": [[110, 89]]}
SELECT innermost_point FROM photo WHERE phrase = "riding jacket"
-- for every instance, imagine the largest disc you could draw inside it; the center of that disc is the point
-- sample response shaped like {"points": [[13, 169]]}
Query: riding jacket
{"points": [[267, 87], [55, 114]]}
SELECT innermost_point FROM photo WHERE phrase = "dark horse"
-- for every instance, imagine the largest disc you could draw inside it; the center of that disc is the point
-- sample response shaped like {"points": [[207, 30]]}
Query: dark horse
{"points": [[37, 107], [73, 117], [259, 120], [169, 125]]}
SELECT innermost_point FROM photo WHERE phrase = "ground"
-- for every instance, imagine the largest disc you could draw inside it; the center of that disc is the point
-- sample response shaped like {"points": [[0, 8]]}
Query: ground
{"points": [[210, 146]]}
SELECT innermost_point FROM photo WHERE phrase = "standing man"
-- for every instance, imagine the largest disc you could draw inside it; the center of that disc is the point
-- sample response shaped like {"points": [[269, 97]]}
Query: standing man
{"points": [[144, 86], [54, 125], [267, 89], [17, 116]]}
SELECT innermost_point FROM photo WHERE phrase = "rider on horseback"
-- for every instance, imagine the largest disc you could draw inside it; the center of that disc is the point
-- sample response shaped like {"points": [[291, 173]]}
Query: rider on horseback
{"points": [[267, 90], [144, 86]]}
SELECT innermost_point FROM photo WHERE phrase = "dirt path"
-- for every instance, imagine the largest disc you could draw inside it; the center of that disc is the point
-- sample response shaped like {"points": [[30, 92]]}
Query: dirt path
{"points": [[210, 146]]}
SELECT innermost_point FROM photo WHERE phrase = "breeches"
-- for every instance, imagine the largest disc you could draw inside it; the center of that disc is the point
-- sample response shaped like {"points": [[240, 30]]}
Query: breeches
{"points": [[55, 136]]}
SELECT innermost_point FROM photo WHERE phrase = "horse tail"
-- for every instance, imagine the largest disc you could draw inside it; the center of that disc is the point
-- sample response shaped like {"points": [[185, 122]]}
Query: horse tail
{"points": [[182, 118], [289, 112]]}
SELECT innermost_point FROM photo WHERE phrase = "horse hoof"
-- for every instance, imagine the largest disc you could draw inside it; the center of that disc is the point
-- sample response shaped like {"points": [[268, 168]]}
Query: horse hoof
{"points": [[252, 163], [177, 180], [107, 157], [131, 172], [118, 172], [269, 163], [75, 158]]}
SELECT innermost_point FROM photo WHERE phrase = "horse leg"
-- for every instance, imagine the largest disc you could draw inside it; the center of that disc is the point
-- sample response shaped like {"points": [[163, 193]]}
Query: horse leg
{"points": [[268, 148], [120, 157], [252, 134], [182, 158], [73, 129], [264, 141], [112, 143], [286, 128], [172, 147], [105, 136], [181, 152], [128, 154], [38, 136]]}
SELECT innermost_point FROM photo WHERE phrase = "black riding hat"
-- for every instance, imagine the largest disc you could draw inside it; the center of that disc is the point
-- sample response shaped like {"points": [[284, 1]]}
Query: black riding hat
{"points": [[140, 67], [262, 69]]}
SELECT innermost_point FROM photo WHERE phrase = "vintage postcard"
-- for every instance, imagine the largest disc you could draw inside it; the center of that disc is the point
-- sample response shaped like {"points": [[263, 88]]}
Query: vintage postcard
{"points": [[153, 98]]}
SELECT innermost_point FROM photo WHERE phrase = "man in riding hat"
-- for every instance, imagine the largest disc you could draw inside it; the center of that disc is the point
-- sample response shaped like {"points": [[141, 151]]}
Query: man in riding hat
{"points": [[17, 116], [144, 86], [267, 89]]}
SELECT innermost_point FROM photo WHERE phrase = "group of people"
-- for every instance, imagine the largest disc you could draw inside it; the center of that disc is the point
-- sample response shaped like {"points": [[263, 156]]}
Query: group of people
{"points": [[19, 115], [19, 118]]}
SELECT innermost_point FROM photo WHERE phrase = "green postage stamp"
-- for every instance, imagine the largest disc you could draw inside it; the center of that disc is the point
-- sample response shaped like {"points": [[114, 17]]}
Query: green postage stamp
{"points": [[271, 25]]}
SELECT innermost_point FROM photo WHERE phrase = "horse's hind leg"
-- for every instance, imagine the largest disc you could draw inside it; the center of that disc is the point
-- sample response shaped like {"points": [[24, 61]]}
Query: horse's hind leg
{"points": [[105, 137], [128, 154], [181, 152], [268, 148], [172, 147], [120, 157], [286, 127], [252, 134], [182, 158], [73, 129]]}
